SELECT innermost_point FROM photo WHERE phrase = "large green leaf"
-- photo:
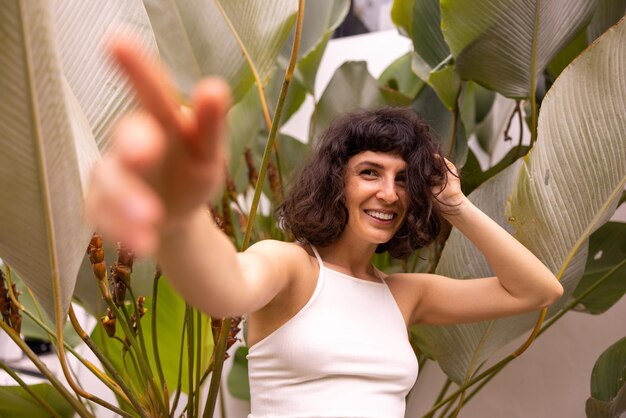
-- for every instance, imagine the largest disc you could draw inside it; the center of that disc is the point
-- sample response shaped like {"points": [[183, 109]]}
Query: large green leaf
{"points": [[493, 128], [607, 13], [551, 200], [607, 250], [461, 259], [15, 402], [402, 15], [505, 44], [399, 77], [352, 87], [447, 125], [81, 33], [47, 151], [608, 392], [170, 315], [195, 41], [322, 17], [238, 383], [431, 61]]}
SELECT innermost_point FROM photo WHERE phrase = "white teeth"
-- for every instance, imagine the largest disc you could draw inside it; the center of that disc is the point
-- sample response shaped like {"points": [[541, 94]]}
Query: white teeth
{"points": [[380, 215]]}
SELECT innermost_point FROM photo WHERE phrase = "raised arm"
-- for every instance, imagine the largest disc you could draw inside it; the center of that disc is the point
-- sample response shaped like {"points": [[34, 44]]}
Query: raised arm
{"points": [[151, 192], [521, 283]]}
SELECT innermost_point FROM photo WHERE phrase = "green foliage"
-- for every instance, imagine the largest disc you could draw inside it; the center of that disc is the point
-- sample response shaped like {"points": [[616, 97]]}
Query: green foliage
{"points": [[238, 384], [607, 255], [15, 402], [608, 394]]}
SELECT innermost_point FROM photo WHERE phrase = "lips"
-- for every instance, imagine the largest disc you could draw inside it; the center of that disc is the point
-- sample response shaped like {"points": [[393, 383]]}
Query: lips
{"points": [[383, 216]]}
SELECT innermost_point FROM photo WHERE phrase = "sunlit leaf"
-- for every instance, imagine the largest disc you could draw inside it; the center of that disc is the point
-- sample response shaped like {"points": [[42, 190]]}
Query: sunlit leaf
{"points": [[321, 18], [195, 41], [402, 16], [505, 44], [352, 87], [47, 151], [398, 76], [551, 200], [82, 32]]}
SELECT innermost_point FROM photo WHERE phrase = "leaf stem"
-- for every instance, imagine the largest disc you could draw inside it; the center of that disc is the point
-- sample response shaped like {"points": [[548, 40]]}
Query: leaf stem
{"points": [[180, 367], [275, 123], [155, 341], [219, 354]]}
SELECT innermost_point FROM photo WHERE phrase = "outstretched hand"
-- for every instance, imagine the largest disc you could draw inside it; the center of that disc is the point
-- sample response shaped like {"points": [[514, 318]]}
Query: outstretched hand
{"points": [[166, 161]]}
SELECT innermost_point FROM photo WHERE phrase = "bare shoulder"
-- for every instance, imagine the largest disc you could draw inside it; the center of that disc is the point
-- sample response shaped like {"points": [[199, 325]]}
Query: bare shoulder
{"points": [[290, 258]]}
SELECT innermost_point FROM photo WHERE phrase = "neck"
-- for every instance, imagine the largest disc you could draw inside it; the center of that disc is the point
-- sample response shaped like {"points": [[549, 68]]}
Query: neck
{"points": [[353, 256]]}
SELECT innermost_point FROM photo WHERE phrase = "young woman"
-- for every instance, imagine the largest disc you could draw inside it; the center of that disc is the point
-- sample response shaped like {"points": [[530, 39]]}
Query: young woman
{"points": [[327, 330]]}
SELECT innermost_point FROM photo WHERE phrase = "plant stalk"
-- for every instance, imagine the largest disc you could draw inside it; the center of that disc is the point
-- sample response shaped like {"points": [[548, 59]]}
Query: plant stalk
{"points": [[275, 123], [218, 353]]}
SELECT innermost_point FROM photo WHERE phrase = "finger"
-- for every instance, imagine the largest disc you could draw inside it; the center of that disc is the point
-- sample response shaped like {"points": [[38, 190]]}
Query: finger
{"points": [[123, 208], [211, 103], [151, 84], [140, 143]]}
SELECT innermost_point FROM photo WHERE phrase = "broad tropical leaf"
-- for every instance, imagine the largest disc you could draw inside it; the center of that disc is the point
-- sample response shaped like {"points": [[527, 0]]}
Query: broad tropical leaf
{"points": [[447, 125], [322, 17], [432, 60], [399, 77], [15, 402], [607, 13], [505, 45], [499, 124], [608, 391], [607, 255], [82, 31], [47, 151], [551, 200], [238, 383], [194, 39], [352, 87]]}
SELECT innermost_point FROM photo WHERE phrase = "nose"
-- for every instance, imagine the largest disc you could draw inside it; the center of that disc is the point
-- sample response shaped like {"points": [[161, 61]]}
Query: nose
{"points": [[387, 192]]}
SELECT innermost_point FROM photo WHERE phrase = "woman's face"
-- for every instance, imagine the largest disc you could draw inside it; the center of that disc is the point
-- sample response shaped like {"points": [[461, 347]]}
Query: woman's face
{"points": [[375, 195]]}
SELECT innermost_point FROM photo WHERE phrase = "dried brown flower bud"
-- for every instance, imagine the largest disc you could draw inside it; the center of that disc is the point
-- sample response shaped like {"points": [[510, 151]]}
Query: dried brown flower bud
{"points": [[227, 226], [274, 178], [231, 188], [141, 301], [253, 174], [108, 323]]}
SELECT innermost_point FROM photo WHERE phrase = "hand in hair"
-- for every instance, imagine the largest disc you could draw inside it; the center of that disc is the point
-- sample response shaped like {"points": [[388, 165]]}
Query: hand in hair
{"points": [[165, 161], [448, 197]]}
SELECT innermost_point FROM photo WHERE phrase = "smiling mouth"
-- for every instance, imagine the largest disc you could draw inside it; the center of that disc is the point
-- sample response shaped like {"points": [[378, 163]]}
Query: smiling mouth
{"points": [[381, 216]]}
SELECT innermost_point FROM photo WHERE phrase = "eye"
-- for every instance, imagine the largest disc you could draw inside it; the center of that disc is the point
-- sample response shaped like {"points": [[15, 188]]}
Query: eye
{"points": [[368, 173], [401, 180]]}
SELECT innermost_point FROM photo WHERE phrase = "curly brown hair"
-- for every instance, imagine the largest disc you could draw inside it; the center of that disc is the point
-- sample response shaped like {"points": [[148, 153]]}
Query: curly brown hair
{"points": [[314, 209]]}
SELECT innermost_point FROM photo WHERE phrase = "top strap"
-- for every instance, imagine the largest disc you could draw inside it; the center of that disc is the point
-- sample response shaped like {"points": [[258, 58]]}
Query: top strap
{"points": [[317, 255]]}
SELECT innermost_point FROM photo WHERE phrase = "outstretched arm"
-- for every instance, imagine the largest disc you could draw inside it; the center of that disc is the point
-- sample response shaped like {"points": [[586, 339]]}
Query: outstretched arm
{"points": [[521, 283], [151, 193]]}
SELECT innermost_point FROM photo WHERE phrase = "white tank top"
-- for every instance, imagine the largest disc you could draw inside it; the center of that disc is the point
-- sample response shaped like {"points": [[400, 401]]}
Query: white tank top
{"points": [[346, 353]]}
